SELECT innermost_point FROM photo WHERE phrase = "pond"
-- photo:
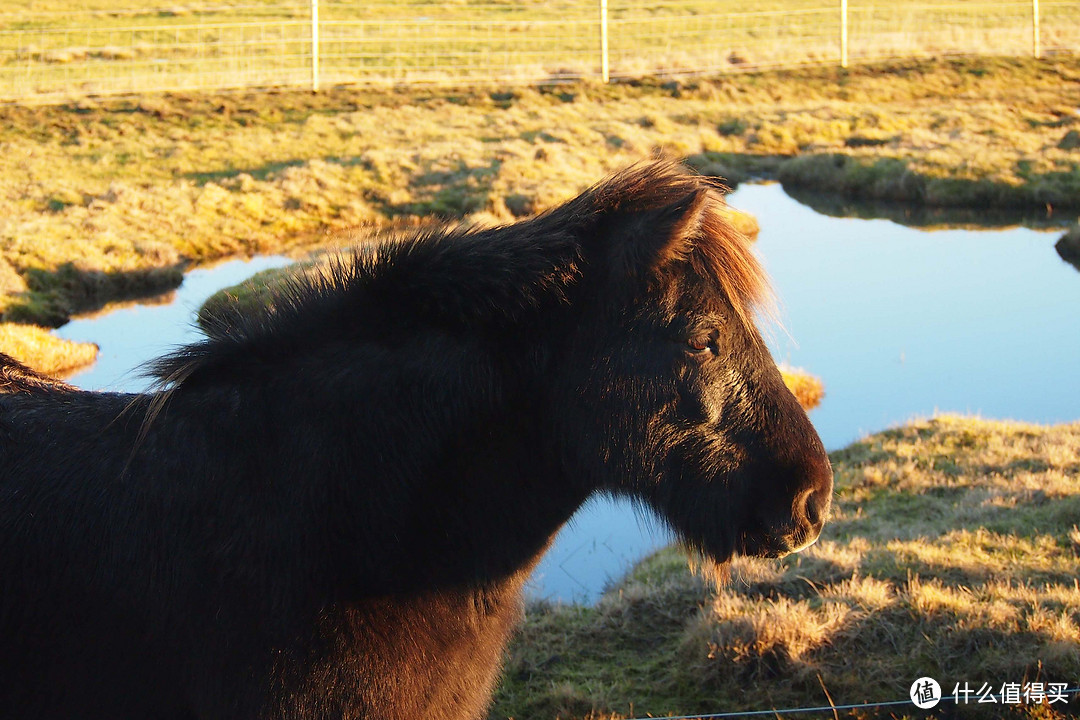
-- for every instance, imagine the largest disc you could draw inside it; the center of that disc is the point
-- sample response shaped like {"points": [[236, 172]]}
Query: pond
{"points": [[898, 322], [130, 335]]}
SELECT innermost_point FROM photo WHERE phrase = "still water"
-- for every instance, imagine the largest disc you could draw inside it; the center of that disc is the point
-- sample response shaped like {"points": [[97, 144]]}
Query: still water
{"points": [[132, 334], [898, 322]]}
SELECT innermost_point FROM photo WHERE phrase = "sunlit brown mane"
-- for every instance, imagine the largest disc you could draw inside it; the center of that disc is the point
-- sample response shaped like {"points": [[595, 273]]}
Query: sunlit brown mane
{"points": [[717, 248], [726, 254]]}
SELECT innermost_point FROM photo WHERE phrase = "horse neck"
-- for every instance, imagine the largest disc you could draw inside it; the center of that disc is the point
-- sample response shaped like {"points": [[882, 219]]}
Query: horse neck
{"points": [[420, 477]]}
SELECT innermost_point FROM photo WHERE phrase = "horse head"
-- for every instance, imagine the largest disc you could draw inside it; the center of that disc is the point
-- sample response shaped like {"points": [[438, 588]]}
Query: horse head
{"points": [[667, 392]]}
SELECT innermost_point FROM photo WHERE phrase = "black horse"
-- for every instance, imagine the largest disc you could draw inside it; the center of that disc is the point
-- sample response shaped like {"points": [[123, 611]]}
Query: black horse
{"points": [[329, 507]]}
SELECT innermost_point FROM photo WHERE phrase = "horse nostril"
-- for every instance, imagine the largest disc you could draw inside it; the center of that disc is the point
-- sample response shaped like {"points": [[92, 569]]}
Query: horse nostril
{"points": [[812, 512], [816, 507]]}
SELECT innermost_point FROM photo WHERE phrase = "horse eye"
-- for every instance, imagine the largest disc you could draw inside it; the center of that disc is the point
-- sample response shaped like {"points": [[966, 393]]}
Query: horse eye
{"points": [[699, 344]]}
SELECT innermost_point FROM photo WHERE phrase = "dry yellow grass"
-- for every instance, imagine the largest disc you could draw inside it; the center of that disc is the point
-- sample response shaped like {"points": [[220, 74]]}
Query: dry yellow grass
{"points": [[808, 390], [745, 223], [37, 348], [953, 552], [114, 190], [143, 46]]}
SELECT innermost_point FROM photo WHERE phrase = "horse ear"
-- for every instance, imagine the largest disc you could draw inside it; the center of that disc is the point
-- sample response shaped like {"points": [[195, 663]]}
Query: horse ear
{"points": [[651, 239]]}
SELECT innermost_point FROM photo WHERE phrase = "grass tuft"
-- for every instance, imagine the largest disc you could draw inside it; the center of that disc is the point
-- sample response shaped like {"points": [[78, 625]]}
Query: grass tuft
{"points": [[37, 348], [806, 388]]}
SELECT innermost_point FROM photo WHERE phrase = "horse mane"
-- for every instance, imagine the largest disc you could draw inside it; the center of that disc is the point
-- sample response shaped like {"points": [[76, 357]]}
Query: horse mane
{"points": [[468, 276]]}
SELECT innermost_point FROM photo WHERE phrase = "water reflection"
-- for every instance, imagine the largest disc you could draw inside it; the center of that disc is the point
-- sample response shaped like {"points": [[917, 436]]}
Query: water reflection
{"points": [[931, 218], [899, 322]]}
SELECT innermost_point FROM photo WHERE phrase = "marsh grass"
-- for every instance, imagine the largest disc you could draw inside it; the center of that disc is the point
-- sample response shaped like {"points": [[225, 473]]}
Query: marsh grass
{"points": [[106, 199], [806, 388], [38, 348], [124, 186], [953, 552]]}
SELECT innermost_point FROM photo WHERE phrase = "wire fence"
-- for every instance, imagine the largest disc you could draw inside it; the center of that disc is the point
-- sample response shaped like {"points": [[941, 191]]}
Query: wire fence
{"points": [[49, 53]]}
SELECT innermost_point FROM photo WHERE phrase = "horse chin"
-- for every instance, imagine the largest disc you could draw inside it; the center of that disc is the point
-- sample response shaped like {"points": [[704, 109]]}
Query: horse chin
{"points": [[770, 547]]}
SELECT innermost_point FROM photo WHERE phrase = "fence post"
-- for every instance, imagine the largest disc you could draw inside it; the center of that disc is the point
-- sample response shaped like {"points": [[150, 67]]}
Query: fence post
{"points": [[314, 45], [1035, 50], [843, 32], [603, 41]]}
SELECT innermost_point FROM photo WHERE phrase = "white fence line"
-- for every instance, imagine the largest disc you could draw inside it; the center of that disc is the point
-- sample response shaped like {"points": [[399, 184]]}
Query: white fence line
{"points": [[50, 55]]}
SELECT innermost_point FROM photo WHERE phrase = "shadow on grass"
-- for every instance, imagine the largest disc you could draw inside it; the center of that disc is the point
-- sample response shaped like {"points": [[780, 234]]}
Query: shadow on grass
{"points": [[449, 194], [269, 170], [441, 193], [784, 645], [871, 655]]}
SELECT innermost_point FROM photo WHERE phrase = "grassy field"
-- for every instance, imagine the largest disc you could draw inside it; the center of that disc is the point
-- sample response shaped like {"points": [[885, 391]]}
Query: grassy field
{"points": [[111, 199], [49, 50], [953, 552], [954, 547]]}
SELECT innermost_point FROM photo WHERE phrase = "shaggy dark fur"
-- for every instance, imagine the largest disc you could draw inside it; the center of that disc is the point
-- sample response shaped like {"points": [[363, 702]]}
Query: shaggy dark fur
{"points": [[330, 506]]}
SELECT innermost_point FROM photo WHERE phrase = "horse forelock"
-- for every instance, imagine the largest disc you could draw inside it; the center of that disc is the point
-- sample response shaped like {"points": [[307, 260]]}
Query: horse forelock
{"points": [[717, 249], [725, 254]]}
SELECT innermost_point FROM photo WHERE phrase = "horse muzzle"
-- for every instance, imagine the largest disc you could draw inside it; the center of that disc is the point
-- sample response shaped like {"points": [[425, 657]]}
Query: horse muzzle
{"points": [[797, 531]]}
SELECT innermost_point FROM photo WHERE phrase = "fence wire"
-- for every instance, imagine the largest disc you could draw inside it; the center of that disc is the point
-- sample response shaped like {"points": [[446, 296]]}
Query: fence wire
{"points": [[49, 53]]}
